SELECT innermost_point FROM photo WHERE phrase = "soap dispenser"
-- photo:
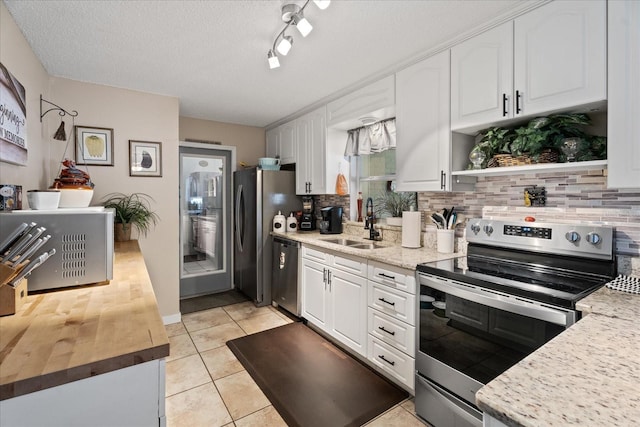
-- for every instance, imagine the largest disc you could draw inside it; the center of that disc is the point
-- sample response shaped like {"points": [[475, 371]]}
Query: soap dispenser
{"points": [[279, 223]]}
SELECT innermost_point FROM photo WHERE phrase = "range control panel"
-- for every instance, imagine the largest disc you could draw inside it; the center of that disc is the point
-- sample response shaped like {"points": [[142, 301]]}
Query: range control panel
{"points": [[594, 241], [527, 231]]}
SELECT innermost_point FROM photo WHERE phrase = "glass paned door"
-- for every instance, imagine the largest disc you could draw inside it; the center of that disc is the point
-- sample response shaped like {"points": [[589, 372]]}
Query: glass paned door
{"points": [[205, 181]]}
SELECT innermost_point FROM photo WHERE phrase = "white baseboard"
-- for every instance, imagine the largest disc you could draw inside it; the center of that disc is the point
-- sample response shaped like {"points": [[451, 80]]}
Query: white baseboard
{"points": [[172, 318]]}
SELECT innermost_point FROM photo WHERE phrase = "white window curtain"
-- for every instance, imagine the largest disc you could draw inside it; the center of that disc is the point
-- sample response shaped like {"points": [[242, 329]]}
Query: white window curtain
{"points": [[374, 138]]}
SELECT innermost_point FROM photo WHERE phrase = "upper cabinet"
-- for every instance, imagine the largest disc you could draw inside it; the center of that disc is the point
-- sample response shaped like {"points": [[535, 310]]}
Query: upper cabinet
{"points": [[547, 60], [281, 143], [623, 127], [375, 100], [422, 125]]}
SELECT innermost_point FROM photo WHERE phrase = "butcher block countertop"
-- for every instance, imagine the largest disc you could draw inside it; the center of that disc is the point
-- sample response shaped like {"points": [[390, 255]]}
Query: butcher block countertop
{"points": [[587, 376], [76, 333]]}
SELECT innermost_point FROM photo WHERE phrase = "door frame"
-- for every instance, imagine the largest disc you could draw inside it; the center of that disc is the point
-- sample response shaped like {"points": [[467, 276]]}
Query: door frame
{"points": [[232, 168]]}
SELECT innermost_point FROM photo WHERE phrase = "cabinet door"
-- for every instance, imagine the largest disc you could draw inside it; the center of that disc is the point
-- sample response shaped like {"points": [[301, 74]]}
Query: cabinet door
{"points": [[288, 143], [560, 56], [314, 293], [422, 125], [311, 165], [623, 126], [302, 156], [273, 142], [482, 78], [348, 309]]}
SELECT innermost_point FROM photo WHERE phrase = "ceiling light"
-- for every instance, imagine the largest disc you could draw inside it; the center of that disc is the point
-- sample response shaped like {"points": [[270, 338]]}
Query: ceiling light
{"points": [[322, 4], [292, 14], [273, 59], [285, 45], [302, 24]]}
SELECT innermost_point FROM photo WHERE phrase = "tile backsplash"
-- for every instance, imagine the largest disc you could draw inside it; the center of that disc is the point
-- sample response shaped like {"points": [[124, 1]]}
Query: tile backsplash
{"points": [[571, 197]]}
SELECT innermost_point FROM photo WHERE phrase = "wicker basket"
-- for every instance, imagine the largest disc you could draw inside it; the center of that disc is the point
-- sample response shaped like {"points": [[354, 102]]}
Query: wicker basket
{"points": [[502, 160], [548, 156]]}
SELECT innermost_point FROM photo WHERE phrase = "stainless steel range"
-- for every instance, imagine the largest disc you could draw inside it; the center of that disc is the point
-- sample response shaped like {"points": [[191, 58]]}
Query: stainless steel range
{"points": [[479, 315]]}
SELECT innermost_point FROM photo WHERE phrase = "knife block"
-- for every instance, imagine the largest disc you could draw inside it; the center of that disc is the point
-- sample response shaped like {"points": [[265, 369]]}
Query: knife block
{"points": [[12, 299]]}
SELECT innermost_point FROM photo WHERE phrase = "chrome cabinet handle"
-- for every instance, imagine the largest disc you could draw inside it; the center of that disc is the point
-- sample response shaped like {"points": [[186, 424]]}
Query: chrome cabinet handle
{"points": [[390, 362], [387, 302], [392, 333]]}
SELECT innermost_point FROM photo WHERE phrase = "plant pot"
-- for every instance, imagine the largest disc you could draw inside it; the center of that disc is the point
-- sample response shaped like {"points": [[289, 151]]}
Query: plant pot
{"points": [[121, 232]]}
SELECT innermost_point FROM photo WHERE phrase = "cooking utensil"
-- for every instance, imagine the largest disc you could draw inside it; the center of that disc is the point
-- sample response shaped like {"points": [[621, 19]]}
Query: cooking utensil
{"points": [[33, 264], [32, 249], [16, 248], [436, 222], [440, 218], [452, 220], [35, 235]]}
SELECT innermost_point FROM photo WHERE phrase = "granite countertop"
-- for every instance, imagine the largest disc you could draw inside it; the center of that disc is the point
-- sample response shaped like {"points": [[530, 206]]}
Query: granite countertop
{"points": [[586, 376], [390, 253]]}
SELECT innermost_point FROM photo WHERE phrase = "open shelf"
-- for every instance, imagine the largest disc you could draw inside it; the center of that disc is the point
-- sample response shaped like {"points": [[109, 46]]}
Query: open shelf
{"points": [[537, 168]]}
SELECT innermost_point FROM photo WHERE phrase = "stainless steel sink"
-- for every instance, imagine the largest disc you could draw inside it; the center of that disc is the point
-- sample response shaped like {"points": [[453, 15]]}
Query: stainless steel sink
{"points": [[371, 245], [342, 241]]}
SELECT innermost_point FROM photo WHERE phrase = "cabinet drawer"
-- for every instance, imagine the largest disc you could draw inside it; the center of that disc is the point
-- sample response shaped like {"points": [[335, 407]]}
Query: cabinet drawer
{"points": [[315, 255], [397, 304], [393, 332], [350, 264], [395, 277], [389, 360]]}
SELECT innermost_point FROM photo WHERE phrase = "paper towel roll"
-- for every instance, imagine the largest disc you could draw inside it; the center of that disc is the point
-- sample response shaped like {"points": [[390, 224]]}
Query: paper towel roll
{"points": [[411, 229]]}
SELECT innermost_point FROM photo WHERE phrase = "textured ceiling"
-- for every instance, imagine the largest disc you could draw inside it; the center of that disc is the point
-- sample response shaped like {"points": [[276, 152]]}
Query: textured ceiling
{"points": [[212, 55]]}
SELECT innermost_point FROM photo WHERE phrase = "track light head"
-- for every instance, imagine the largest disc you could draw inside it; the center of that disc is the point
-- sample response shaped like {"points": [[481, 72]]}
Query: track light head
{"points": [[285, 45], [302, 24], [322, 4], [274, 62]]}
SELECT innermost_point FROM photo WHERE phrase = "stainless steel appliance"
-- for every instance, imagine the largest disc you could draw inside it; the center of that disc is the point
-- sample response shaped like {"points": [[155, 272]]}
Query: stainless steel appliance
{"points": [[331, 222], [481, 314], [284, 283], [82, 238], [259, 195], [307, 220]]}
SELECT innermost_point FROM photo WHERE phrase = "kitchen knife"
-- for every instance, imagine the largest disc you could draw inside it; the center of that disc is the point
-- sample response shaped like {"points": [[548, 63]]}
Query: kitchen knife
{"points": [[20, 239], [13, 237], [16, 248], [33, 264], [32, 250], [35, 235]]}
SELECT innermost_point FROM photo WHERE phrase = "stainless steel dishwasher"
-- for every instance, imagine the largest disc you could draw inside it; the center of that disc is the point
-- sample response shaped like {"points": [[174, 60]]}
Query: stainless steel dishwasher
{"points": [[284, 281]]}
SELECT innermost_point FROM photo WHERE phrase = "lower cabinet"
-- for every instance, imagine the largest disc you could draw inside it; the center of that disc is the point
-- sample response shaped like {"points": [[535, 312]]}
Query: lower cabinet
{"points": [[335, 300]]}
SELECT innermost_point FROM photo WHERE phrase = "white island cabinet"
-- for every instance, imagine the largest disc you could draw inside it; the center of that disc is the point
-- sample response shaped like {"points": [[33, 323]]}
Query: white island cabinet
{"points": [[550, 59], [423, 152], [623, 127]]}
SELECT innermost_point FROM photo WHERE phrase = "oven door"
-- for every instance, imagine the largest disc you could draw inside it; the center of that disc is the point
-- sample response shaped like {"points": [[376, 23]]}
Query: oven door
{"points": [[469, 335]]}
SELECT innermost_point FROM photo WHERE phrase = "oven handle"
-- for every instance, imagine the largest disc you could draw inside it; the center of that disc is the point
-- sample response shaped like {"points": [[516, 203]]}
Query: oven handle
{"points": [[499, 300]]}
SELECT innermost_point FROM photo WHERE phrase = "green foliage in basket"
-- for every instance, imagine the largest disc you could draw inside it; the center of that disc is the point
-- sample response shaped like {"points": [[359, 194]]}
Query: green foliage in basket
{"points": [[540, 134]]}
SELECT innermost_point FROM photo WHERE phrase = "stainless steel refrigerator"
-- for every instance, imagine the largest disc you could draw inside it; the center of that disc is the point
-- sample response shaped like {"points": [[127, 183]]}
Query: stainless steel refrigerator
{"points": [[259, 195]]}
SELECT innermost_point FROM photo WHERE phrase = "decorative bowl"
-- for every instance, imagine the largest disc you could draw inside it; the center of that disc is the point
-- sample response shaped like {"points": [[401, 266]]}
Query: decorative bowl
{"points": [[43, 199], [75, 197]]}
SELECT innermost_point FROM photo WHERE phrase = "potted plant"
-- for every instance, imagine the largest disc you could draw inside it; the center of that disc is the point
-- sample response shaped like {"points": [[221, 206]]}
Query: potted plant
{"points": [[391, 204], [130, 210]]}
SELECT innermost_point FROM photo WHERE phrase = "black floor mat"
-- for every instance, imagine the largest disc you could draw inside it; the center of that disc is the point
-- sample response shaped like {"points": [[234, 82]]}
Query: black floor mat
{"points": [[205, 302], [310, 381]]}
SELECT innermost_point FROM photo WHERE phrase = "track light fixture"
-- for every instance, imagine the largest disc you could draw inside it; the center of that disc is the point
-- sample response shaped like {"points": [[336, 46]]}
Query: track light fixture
{"points": [[292, 14]]}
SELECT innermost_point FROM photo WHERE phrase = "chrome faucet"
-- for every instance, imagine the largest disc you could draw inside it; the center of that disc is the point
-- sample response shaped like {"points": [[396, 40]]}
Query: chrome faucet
{"points": [[370, 220]]}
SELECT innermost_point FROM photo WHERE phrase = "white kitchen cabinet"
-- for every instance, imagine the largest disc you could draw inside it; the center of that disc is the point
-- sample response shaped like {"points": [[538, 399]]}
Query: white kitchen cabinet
{"points": [[559, 62], [374, 100], [391, 321], [623, 126], [334, 299], [423, 152], [316, 158], [281, 142]]}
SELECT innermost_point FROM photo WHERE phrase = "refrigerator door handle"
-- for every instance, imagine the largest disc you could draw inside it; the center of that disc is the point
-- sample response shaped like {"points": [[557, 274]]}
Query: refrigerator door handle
{"points": [[239, 224]]}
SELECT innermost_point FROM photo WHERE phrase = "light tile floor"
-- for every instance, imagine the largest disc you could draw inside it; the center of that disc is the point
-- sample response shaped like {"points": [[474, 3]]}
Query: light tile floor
{"points": [[207, 386]]}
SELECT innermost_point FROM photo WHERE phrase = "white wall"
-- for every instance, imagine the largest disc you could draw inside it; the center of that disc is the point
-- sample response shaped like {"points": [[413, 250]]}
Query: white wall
{"points": [[132, 115]]}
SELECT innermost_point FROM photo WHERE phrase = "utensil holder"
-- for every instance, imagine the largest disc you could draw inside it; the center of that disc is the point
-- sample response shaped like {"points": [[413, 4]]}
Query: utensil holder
{"points": [[445, 240], [12, 299]]}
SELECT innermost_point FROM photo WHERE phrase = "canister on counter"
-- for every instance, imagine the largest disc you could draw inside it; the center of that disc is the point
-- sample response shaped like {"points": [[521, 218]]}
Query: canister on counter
{"points": [[10, 197]]}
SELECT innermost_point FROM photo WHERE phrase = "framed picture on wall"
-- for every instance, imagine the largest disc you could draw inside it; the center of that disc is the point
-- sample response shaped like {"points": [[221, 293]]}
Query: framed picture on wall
{"points": [[94, 146], [145, 158]]}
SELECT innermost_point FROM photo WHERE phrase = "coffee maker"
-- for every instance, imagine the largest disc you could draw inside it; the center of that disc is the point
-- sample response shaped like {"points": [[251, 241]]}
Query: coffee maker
{"points": [[331, 222], [307, 220]]}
